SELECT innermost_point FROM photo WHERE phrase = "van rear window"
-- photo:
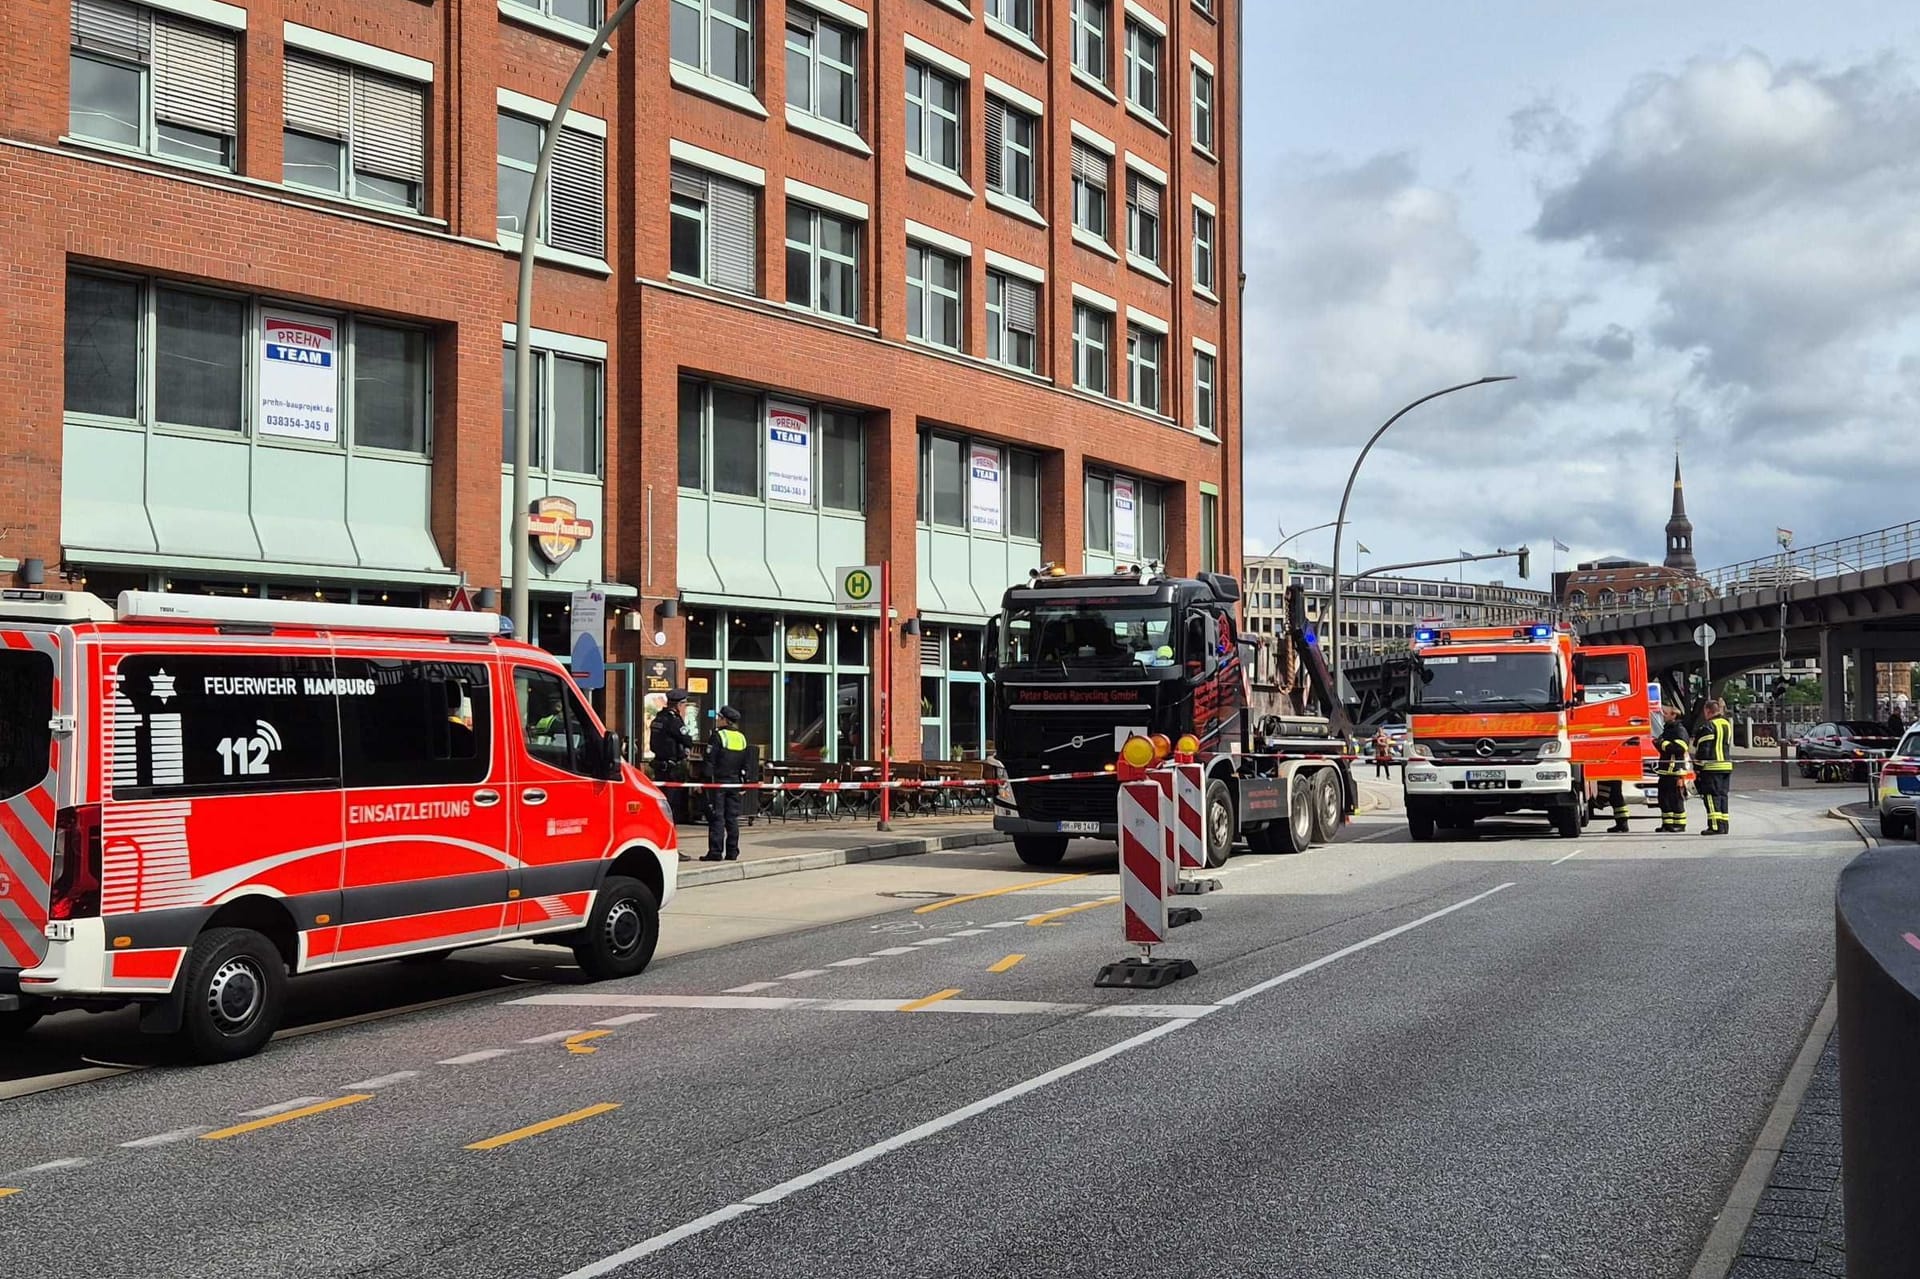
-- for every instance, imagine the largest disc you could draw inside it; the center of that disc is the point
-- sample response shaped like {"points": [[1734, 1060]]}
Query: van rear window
{"points": [[26, 715]]}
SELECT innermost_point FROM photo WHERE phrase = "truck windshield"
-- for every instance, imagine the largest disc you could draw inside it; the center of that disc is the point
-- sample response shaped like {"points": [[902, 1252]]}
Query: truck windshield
{"points": [[1445, 682], [1069, 636]]}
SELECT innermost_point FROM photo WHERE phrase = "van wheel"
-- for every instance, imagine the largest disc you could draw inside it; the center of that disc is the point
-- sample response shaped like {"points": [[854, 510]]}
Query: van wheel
{"points": [[1040, 850], [1329, 805], [1419, 825], [17, 1023], [620, 937], [1566, 820], [235, 995], [1220, 825]]}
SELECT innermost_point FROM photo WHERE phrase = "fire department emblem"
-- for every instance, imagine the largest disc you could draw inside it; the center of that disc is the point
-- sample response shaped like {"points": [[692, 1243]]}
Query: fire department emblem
{"points": [[556, 528]]}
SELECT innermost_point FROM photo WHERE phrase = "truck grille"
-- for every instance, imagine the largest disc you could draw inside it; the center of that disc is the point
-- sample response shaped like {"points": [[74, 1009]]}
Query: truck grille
{"points": [[1089, 800], [1487, 749]]}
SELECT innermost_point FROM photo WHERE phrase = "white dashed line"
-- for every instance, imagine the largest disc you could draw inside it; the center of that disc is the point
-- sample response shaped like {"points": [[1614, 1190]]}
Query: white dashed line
{"points": [[468, 1059], [758, 1003], [1575, 853], [627, 1020], [381, 1081], [968, 932], [52, 1165], [894, 950], [163, 1138], [751, 987], [553, 1038], [278, 1107], [935, 941], [1008, 923], [804, 973], [1154, 1010], [855, 962]]}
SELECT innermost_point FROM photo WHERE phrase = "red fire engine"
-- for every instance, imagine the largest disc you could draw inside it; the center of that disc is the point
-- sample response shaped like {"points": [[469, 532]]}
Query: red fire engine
{"points": [[201, 795]]}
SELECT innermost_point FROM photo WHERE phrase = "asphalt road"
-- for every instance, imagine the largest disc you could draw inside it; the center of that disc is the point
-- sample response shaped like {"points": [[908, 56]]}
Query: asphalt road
{"points": [[1505, 1056]]}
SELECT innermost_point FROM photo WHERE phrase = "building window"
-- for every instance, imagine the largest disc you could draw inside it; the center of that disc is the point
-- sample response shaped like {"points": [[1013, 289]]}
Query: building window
{"points": [[715, 36], [1017, 14], [1011, 135], [1126, 516], [1143, 367], [581, 13], [1013, 321], [800, 681], [1090, 37], [934, 308], [1203, 393], [979, 486], [823, 61], [152, 82], [1099, 507], [935, 103], [355, 133], [150, 354], [567, 416], [1202, 109], [1209, 533], [1143, 68], [714, 237], [823, 262], [720, 435], [1092, 175], [573, 208], [1143, 217], [1092, 339], [1202, 249]]}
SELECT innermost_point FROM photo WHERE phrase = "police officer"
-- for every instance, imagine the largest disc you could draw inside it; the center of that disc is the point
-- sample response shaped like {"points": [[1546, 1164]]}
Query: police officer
{"points": [[726, 763], [1713, 763], [670, 741], [1673, 767]]}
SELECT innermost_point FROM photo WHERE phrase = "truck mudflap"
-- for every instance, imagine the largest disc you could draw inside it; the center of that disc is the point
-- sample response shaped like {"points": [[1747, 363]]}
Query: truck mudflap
{"points": [[1262, 799]]}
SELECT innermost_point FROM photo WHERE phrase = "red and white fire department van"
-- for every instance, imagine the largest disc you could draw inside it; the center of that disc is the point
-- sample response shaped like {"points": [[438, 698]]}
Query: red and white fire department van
{"points": [[201, 795]]}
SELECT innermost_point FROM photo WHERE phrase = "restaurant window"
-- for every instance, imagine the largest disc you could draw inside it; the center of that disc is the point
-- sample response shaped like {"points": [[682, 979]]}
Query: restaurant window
{"points": [[800, 681]]}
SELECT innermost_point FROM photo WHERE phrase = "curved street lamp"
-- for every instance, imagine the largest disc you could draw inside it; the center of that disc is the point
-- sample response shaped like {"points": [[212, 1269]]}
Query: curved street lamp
{"points": [[1339, 524]]}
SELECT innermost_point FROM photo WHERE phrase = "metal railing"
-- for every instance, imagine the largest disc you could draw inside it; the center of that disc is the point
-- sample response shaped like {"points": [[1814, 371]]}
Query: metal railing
{"points": [[1893, 545]]}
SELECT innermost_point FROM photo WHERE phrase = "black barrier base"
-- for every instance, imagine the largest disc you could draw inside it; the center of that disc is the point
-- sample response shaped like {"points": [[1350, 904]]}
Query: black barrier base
{"points": [[1179, 916], [1194, 887], [1145, 974]]}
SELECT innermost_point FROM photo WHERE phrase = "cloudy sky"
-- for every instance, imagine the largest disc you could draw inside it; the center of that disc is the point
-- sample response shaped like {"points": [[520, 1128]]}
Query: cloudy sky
{"points": [[1692, 220]]}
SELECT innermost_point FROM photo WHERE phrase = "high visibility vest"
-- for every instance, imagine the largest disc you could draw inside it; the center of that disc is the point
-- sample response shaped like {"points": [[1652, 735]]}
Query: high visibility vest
{"points": [[1673, 757], [1713, 747]]}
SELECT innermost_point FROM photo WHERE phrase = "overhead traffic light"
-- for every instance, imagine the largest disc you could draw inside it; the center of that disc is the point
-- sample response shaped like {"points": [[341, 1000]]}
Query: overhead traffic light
{"points": [[1526, 562]]}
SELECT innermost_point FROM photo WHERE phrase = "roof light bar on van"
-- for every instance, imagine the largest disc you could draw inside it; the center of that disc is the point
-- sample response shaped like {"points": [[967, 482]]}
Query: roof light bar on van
{"points": [[54, 606], [157, 606]]}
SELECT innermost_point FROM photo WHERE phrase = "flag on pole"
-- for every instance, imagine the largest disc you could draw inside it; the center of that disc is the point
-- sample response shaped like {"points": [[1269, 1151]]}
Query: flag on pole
{"points": [[1361, 547], [1559, 545]]}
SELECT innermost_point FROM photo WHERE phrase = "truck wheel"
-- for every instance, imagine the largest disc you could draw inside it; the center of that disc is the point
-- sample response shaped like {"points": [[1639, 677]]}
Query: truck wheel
{"points": [[235, 992], [1296, 833], [622, 932], [1040, 850], [1566, 820], [1419, 825], [1329, 805], [17, 1023], [1220, 824]]}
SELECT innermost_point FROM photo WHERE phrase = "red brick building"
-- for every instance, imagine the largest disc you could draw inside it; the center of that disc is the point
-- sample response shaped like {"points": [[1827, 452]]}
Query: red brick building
{"points": [[948, 284]]}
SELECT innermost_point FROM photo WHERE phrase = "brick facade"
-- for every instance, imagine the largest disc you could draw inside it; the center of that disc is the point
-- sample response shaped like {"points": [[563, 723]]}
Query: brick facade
{"points": [[77, 204]]}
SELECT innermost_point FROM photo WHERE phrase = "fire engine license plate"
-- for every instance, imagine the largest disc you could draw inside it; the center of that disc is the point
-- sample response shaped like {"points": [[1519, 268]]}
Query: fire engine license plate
{"points": [[1486, 775], [1079, 828]]}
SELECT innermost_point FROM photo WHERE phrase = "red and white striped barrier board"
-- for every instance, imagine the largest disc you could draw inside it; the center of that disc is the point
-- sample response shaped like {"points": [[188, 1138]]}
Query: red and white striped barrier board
{"points": [[1143, 863], [1189, 830], [1164, 776]]}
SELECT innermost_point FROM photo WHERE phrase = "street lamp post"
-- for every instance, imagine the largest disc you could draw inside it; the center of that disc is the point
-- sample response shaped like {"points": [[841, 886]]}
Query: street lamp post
{"points": [[1339, 524], [523, 321], [1785, 538]]}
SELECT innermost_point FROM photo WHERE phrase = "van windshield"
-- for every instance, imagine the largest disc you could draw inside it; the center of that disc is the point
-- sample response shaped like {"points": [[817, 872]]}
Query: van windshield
{"points": [[26, 715], [1454, 682]]}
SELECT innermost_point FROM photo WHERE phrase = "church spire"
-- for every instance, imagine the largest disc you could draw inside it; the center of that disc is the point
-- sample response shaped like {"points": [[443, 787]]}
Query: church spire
{"points": [[1679, 527]]}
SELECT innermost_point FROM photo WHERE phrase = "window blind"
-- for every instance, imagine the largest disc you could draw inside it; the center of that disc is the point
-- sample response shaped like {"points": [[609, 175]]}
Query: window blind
{"points": [[317, 96], [1022, 306], [196, 76], [1089, 165], [577, 194], [731, 241], [389, 127], [996, 134], [1145, 194], [110, 26]]}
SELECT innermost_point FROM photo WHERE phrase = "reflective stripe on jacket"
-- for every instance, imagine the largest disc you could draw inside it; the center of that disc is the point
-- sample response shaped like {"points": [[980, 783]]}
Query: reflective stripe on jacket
{"points": [[1713, 746], [727, 756], [1673, 757]]}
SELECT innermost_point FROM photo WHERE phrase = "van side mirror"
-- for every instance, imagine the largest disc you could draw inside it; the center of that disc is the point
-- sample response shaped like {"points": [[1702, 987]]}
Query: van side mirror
{"points": [[611, 756]]}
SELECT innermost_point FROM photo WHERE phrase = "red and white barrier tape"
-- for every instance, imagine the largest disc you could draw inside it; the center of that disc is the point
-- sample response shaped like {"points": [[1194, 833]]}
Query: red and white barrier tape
{"points": [[898, 783]]}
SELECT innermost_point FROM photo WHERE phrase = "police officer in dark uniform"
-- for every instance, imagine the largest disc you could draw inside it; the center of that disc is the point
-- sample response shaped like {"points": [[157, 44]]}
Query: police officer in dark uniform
{"points": [[1672, 768], [1713, 764], [727, 760], [670, 743]]}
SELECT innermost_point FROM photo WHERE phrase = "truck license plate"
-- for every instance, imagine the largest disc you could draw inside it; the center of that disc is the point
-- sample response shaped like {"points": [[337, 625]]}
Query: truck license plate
{"points": [[1486, 775], [1079, 828]]}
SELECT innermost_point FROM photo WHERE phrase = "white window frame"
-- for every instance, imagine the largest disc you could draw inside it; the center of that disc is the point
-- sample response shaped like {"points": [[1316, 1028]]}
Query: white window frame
{"points": [[1202, 73], [702, 78], [546, 347], [815, 252], [815, 58], [997, 318], [1086, 341], [1139, 33], [1141, 337], [540, 13], [1086, 32], [1207, 356], [542, 114], [1205, 248], [942, 69], [928, 241]]}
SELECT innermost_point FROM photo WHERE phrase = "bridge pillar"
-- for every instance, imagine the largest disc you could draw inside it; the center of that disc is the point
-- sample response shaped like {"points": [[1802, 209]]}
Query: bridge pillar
{"points": [[1833, 675]]}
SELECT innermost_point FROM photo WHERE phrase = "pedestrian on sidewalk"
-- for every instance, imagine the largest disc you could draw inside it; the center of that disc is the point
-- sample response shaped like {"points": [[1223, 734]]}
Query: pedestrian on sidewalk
{"points": [[1672, 769], [1713, 763], [1382, 754], [727, 759]]}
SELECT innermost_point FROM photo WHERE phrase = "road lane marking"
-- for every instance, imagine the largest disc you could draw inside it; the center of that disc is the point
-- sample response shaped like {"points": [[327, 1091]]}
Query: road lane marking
{"points": [[1005, 923], [858, 1158], [474, 1058], [287, 1116], [855, 962], [1003, 965], [551, 1038], [381, 1081], [935, 941], [162, 1138], [1913, 941], [752, 987], [893, 950], [1189, 1011], [1292, 974], [968, 932], [584, 1000], [582, 1043], [1575, 853], [1042, 921], [626, 1020], [6, 1191], [52, 1165], [277, 1107], [998, 892], [1003, 1007], [804, 973], [917, 1004], [545, 1125]]}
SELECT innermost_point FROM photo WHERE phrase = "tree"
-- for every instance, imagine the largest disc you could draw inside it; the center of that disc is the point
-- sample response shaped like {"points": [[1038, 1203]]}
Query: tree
{"points": [[1804, 692], [1737, 695]]}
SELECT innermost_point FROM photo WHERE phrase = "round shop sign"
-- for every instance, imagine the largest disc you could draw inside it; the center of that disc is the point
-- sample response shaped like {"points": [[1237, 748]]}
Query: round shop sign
{"points": [[803, 642]]}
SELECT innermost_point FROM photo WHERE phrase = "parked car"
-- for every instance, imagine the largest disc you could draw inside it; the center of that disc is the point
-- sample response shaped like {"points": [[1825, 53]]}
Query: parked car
{"points": [[1899, 787], [1843, 750]]}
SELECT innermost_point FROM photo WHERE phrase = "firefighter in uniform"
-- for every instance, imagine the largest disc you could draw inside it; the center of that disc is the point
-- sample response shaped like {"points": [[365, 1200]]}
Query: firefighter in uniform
{"points": [[726, 763], [1672, 768], [1713, 764], [1615, 794], [670, 741]]}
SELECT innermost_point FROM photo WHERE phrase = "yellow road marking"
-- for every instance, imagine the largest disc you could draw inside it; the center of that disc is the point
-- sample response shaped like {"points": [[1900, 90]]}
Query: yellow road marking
{"points": [[545, 1125], [1006, 963], [288, 1116], [997, 892], [5, 1191], [1052, 915], [930, 1000], [578, 1043]]}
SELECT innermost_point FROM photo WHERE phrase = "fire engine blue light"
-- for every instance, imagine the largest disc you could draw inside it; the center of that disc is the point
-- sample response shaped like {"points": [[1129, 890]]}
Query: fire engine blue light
{"points": [[1542, 631], [1311, 637], [1424, 637]]}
